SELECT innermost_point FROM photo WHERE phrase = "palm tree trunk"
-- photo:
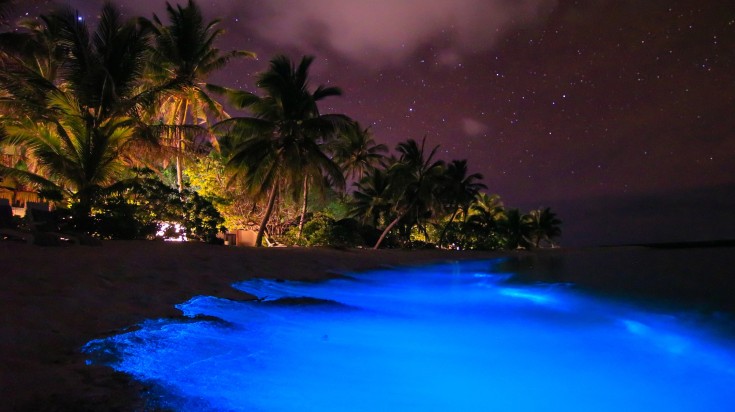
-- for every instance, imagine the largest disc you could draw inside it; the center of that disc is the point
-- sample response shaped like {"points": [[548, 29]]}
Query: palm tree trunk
{"points": [[179, 170], [180, 148], [268, 211], [388, 229], [303, 206], [444, 230], [83, 210]]}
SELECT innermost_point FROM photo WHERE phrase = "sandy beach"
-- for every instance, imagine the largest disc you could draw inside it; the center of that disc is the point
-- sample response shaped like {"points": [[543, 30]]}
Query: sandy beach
{"points": [[55, 299]]}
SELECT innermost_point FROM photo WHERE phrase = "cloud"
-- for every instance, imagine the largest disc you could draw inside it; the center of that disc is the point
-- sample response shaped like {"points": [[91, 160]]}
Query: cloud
{"points": [[384, 32], [375, 33], [472, 127]]}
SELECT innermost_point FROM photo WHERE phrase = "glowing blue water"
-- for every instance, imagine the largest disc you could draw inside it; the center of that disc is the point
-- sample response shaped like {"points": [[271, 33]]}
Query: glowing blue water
{"points": [[448, 337]]}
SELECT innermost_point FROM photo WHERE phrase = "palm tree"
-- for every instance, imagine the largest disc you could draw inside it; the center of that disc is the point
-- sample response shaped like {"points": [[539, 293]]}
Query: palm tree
{"points": [[184, 50], [281, 145], [460, 189], [516, 227], [544, 226], [30, 57], [34, 46], [414, 185], [79, 125], [77, 154], [371, 202], [357, 153], [486, 210], [482, 222]]}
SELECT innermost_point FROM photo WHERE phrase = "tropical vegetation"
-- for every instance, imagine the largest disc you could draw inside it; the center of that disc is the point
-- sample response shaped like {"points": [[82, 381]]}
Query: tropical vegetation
{"points": [[282, 145], [100, 121]]}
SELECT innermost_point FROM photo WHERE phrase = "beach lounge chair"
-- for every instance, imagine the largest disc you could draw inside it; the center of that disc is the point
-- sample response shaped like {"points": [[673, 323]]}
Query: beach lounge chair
{"points": [[9, 229], [270, 241]]}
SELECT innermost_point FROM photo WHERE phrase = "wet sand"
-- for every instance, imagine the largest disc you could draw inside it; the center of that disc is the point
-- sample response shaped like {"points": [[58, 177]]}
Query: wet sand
{"points": [[55, 299]]}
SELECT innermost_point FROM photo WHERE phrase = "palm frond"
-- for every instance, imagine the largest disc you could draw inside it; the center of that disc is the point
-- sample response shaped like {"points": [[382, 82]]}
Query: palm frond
{"points": [[27, 177], [323, 92], [239, 99]]}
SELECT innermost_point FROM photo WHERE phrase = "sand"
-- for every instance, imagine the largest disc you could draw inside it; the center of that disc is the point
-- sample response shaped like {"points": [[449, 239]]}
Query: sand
{"points": [[53, 300]]}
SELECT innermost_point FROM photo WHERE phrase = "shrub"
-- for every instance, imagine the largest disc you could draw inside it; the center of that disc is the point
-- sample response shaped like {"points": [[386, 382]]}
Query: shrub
{"points": [[323, 230], [138, 208]]}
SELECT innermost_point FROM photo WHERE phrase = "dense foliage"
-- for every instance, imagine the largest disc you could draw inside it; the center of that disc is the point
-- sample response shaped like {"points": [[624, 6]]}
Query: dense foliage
{"points": [[144, 208], [85, 110]]}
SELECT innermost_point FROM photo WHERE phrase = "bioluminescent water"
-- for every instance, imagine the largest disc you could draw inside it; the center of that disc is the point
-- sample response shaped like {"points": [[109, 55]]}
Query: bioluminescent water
{"points": [[451, 337]]}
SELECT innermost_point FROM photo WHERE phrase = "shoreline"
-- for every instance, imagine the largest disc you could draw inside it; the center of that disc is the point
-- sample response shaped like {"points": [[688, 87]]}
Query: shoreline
{"points": [[56, 299]]}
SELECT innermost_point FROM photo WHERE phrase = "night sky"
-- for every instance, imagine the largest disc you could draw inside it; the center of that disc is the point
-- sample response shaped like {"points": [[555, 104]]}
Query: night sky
{"points": [[619, 115]]}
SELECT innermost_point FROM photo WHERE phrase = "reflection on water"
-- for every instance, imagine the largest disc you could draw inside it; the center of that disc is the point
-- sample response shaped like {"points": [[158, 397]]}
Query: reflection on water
{"points": [[445, 337]]}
